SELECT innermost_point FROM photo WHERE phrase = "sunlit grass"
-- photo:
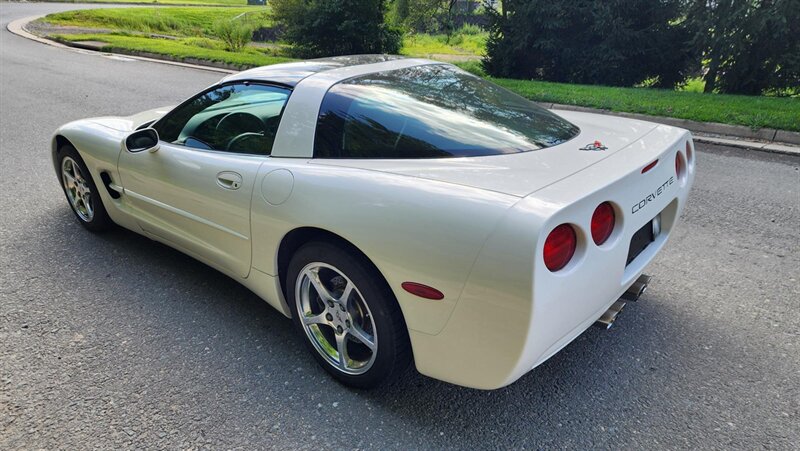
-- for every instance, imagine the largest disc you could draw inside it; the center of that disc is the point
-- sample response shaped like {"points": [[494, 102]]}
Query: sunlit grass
{"points": [[458, 44], [181, 49], [175, 21], [163, 2], [753, 111], [694, 85]]}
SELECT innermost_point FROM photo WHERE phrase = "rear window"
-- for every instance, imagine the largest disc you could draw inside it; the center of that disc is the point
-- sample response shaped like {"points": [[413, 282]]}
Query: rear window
{"points": [[432, 111]]}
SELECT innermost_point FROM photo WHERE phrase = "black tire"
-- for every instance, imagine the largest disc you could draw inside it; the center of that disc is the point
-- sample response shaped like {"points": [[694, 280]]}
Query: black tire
{"points": [[99, 220], [393, 352]]}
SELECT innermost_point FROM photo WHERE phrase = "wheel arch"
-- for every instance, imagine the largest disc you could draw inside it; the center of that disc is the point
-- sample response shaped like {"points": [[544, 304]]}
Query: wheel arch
{"points": [[59, 141], [296, 238]]}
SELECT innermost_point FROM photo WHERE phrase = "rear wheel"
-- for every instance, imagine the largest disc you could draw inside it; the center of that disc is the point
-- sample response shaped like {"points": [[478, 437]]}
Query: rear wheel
{"points": [[81, 192], [347, 315]]}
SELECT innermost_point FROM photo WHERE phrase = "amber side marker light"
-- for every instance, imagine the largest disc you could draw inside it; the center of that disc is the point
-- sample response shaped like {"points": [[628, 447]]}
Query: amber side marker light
{"points": [[423, 291]]}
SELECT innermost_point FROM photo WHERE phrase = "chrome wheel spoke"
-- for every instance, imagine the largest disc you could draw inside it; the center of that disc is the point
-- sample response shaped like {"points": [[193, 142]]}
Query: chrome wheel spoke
{"points": [[322, 292], [87, 203], [69, 180], [344, 299], [77, 189], [341, 347], [338, 327], [362, 337], [315, 319]]}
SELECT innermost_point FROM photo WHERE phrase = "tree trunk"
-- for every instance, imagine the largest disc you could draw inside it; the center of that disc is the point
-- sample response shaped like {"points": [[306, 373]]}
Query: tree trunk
{"points": [[711, 76]]}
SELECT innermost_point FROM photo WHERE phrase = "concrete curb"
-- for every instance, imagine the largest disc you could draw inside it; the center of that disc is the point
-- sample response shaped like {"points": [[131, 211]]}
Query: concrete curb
{"points": [[763, 139], [18, 28]]}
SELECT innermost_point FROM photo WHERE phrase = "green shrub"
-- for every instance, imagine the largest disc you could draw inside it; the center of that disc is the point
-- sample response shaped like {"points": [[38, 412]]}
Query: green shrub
{"points": [[619, 43], [234, 33], [470, 29], [335, 27]]}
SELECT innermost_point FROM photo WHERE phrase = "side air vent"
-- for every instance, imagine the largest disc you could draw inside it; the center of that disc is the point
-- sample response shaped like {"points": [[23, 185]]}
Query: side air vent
{"points": [[113, 190]]}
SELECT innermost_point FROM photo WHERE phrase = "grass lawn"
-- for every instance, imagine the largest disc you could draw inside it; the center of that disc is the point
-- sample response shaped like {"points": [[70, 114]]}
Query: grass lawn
{"points": [[458, 44], [753, 111], [192, 27], [160, 2], [174, 21], [179, 49]]}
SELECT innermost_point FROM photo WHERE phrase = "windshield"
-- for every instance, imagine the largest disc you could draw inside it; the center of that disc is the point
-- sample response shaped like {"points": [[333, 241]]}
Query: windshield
{"points": [[431, 111]]}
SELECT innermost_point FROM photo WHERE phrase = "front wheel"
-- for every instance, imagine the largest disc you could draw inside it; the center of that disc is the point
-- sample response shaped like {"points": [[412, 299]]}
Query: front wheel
{"points": [[347, 315], [81, 192]]}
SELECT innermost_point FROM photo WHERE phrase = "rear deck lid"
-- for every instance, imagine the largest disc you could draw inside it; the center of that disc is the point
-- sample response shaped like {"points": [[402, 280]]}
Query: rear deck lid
{"points": [[522, 173]]}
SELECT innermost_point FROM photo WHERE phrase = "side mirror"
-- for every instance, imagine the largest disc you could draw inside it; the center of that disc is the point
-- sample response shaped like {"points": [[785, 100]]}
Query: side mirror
{"points": [[142, 140]]}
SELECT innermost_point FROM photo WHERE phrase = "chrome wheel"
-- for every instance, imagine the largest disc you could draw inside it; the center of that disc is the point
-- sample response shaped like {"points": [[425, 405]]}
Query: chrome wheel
{"points": [[77, 187], [335, 318]]}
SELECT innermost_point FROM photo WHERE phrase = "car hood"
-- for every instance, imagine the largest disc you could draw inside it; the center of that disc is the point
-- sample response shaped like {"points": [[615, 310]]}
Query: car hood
{"points": [[130, 123], [520, 174]]}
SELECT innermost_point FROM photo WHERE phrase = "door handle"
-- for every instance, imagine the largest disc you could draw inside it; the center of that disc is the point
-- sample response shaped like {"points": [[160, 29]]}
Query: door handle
{"points": [[229, 180]]}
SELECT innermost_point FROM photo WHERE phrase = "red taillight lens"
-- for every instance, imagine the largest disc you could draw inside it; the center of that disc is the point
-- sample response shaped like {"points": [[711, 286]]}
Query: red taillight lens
{"points": [[649, 166], [602, 223], [679, 165], [559, 247]]}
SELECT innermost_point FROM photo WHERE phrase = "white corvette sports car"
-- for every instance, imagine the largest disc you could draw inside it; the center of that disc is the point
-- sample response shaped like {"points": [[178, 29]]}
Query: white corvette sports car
{"points": [[396, 209]]}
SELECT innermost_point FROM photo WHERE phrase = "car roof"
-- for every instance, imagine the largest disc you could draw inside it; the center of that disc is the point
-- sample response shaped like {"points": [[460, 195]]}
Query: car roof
{"points": [[292, 73]]}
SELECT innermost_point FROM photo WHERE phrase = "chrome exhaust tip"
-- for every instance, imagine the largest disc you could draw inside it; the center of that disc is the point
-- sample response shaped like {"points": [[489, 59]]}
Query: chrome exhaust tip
{"points": [[632, 294], [608, 318], [638, 288]]}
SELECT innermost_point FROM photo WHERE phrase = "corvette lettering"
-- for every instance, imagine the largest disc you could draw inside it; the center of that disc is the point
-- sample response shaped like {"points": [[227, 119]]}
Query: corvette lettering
{"points": [[652, 196]]}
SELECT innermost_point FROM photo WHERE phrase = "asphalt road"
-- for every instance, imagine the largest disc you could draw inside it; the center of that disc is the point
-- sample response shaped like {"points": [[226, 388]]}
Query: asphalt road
{"points": [[114, 341]]}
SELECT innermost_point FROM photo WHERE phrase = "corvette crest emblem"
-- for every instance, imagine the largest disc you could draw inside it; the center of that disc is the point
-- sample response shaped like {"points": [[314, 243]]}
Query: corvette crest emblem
{"points": [[595, 146]]}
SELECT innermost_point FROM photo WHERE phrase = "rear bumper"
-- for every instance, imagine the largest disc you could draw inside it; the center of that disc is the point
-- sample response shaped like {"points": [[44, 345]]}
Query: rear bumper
{"points": [[513, 313]]}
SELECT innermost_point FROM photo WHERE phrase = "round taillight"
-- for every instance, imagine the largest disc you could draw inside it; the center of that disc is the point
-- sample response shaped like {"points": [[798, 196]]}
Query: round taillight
{"points": [[679, 166], [602, 223], [689, 152], [559, 247]]}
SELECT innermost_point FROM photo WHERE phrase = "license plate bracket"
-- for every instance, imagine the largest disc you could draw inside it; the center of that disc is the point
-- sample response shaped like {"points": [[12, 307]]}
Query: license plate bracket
{"points": [[640, 240]]}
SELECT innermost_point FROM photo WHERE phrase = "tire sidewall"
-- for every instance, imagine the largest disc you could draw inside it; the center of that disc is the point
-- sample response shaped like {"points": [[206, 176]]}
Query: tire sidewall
{"points": [[376, 295]]}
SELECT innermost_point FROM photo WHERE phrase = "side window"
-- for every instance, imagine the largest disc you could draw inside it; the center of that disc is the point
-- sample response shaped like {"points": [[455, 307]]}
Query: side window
{"points": [[239, 118]]}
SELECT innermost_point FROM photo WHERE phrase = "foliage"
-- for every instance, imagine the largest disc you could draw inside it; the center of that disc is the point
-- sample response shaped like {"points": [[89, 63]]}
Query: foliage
{"points": [[180, 49], [335, 27], [175, 21], [464, 41], [473, 67], [773, 112], [162, 2], [781, 113], [234, 33], [620, 43], [751, 45], [430, 16]]}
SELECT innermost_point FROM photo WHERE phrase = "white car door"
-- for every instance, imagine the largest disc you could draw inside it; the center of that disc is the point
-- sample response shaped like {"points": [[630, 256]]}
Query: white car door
{"points": [[194, 191]]}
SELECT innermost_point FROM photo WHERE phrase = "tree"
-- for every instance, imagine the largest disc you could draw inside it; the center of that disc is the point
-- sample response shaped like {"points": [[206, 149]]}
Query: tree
{"points": [[749, 45], [611, 42], [335, 27], [425, 15]]}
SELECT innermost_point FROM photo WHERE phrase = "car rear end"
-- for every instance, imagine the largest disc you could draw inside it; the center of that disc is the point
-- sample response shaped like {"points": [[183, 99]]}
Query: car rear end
{"points": [[531, 294]]}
